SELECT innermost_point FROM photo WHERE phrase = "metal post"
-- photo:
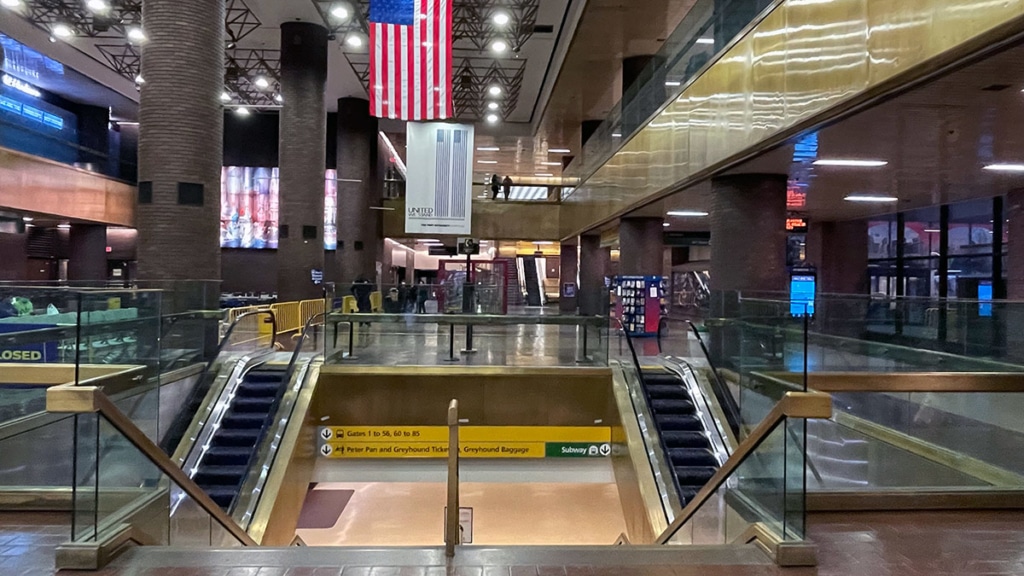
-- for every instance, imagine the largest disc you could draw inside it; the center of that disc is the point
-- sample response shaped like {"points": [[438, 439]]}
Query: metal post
{"points": [[351, 338], [451, 344], [451, 522]]}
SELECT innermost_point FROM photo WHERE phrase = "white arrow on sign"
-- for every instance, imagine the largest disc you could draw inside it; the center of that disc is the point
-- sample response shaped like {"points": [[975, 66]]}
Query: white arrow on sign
{"points": [[326, 450], [606, 449]]}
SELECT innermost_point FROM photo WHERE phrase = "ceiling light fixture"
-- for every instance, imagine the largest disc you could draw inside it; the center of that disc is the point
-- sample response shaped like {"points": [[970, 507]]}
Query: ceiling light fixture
{"points": [[64, 226], [616, 135], [225, 97], [261, 83], [1005, 167], [139, 79], [665, 224], [500, 18], [871, 198], [340, 12], [705, 40], [673, 83], [62, 31], [551, 163], [242, 111], [544, 243], [486, 161], [488, 149], [492, 106], [851, 163], [494, 91], [544, 175], [97, 5], [499, 46], [354, 40], [932, 230], [687, 213], [278, 98], [559, 151], [27, 218], [136, 34], [492, 118], [11, 3]]}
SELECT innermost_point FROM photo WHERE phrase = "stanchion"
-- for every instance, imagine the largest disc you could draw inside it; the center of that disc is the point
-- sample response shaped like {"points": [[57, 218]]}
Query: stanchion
{"points": [[451, 344], [469, 340]]}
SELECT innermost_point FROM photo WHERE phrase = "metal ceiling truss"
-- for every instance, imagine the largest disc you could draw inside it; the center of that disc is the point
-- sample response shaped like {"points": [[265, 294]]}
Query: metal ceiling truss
{"points": [[241, 68], [72, 13], [470, 79]]}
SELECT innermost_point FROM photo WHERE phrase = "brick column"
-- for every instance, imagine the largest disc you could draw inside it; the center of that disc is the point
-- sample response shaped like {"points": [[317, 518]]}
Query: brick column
{"points": [[568, 271], [181, 140], [303, 147], [593, 297], [360, 238], [641, 247], [840, 252], [87, 252], [748, 232]]}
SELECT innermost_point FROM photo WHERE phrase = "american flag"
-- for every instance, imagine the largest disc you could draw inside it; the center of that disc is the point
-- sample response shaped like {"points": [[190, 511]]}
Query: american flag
{"points": [[411, 59]]}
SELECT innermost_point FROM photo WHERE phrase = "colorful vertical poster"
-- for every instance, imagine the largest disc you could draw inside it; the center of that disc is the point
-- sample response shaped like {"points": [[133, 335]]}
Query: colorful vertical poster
{"points": [[331, 211], [439, 189], [248, 214]]}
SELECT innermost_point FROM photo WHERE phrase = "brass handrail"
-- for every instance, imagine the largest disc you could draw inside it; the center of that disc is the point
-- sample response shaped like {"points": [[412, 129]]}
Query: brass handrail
{"points": [[792, 405], [87, 399], [451, 520]]}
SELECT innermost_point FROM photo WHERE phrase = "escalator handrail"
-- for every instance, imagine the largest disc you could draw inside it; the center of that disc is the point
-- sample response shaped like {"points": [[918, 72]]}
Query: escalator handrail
{"points": [[794, 405], [104, 406], [725, 398], [629, 341], [302, 340]]}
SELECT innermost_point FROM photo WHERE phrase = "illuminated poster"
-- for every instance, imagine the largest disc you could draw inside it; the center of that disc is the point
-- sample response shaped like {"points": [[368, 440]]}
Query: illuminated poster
{"points": [[439, 193], [249, 208]]}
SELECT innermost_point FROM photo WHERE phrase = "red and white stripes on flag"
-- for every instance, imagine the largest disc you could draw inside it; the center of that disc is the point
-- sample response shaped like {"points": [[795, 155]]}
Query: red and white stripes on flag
{"points": [[411, 66]]}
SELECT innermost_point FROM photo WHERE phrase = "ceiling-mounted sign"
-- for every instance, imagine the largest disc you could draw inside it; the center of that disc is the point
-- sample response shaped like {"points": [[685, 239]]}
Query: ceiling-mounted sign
{"points": [[439, 189], [21, 86]]}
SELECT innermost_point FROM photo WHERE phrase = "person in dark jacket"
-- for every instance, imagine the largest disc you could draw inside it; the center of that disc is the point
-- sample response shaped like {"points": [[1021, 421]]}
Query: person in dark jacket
{"points": [[506, 186], [362, 289], [495, 186], [422, 295]]}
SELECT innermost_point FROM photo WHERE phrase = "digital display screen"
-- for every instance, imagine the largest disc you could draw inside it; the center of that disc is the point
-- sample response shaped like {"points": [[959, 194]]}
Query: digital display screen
{"points": [[985, 294], [801, 295]]}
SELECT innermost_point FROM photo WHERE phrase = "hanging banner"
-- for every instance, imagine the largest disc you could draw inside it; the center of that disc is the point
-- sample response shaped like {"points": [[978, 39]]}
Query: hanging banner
{"points": [[439, 189]]}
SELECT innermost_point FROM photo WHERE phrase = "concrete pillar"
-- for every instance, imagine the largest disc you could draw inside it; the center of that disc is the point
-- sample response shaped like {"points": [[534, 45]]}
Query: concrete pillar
{"points": [[568, 270], [593, 298], [839, 250], [360, 237], [748, 232], [1015, 244], [181, 140], [641, 247], [303, 147], [87, 253]]}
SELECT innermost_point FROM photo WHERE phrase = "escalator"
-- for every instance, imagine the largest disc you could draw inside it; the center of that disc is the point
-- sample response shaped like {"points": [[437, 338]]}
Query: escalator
{"points": [[222, 469], [532, 281], [684, 439]]}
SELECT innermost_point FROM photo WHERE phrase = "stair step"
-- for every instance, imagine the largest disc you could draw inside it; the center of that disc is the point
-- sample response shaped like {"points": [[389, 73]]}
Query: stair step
{"points": [[675, 422], [222, 496], [257, 390], [235, 421], [684, 439], [694, 475], [667, 392], [220, 475], [692, 457], [656, 378], [686, 494], [228, 456], [261, 404], [672, 407], [236, 438], [275, 376]]}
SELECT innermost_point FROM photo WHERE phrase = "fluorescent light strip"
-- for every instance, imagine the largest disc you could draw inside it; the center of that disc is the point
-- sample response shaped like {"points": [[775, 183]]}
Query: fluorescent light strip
{"points": [[551, 163], [870, 198], [488, 149], [673, 83], [1005, 167], [559, 151], [705, 40], [486, 161], [850, 163], [688, 213]]}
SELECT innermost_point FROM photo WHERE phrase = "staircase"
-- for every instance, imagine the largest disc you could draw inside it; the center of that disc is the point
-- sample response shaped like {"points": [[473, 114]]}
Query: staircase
{"points": [[233, 446], [683, 437]]}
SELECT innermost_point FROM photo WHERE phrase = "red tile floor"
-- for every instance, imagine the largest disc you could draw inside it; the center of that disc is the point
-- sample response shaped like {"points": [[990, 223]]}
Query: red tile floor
{"points": [[850, 544]]}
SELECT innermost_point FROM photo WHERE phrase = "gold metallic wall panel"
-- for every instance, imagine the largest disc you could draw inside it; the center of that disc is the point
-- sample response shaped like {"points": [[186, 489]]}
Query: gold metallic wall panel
{"points": [[492, 220], [515, 399], [41, 186], [801, 65]]}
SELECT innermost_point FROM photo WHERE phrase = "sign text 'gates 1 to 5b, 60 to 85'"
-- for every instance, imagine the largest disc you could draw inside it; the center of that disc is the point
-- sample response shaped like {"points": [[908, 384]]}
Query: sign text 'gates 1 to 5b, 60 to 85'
{"points": [[474, 441]]}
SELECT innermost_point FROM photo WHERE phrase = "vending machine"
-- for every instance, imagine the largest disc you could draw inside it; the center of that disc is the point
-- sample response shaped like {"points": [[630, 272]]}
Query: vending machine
{"points": [[639, 302]]}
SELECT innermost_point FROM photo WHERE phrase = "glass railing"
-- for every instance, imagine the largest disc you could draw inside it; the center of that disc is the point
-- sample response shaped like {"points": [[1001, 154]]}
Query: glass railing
{"points": [[470, 339], [703, 34]]}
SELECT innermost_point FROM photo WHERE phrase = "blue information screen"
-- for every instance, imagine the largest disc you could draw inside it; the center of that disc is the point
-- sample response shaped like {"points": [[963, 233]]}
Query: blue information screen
{"points": [[985, 294], [801, 295]]}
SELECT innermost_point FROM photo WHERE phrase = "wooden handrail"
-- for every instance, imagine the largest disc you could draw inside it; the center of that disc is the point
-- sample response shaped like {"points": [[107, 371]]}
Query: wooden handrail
{"points": [[792, 405], [86, 399], [451, 521]]}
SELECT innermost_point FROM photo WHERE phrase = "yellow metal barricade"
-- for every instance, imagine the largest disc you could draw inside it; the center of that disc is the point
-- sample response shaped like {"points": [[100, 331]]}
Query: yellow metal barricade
{"points": [[288, 315], [309, 309], [349, 305], [376, 302]]}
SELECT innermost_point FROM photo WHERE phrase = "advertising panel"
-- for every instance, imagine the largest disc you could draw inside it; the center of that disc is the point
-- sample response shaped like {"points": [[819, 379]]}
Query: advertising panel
{"points": [[439, 189]]}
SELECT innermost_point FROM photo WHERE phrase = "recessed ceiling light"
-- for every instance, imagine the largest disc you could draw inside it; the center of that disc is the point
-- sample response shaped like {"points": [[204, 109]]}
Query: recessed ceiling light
{"points": [[261, 83], [851, 163], [278, 98], [500, 18], [673, 83], [242, 111], [551, 163], [1005, 167], [616, 135], [11, 3], [499, 46], [665, 224], [687, 213], [354, 40], [64, 226], [705, 40], [494, 91], [139, 79], [135, 34], [876, 198], [486, 161], [492, 118], [27, 218], [492, 105], [97, 5], [488, 149], [225, 97], [62, 31], [340, 12], [559, 150], [544, 175]]}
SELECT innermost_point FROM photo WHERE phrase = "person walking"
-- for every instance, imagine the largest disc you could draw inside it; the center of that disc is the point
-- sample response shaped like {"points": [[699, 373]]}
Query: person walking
{"points": [[506, 186], [495, 186], [422, 295], [362, 289]]}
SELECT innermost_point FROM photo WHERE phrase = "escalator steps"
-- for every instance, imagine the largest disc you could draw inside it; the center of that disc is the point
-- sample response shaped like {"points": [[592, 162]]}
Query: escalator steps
{"points": [[672, 407], [686, 422], [667, 392], [234, 420], [228, 456], [220, 495], [221, 475], [694, 475], [274, 376], [242, 438], [686, 494], [692, 457], [257, 404], [661, 378], [684, 439], [257, 390]]}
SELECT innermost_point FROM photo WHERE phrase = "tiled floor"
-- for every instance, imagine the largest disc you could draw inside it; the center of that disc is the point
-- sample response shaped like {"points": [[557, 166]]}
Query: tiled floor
{"points": [[27, 542]]}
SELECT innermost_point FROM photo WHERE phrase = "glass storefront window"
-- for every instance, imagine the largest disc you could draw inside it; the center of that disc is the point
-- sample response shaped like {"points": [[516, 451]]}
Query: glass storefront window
{"points": [[970, 228], [882, 238]]}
